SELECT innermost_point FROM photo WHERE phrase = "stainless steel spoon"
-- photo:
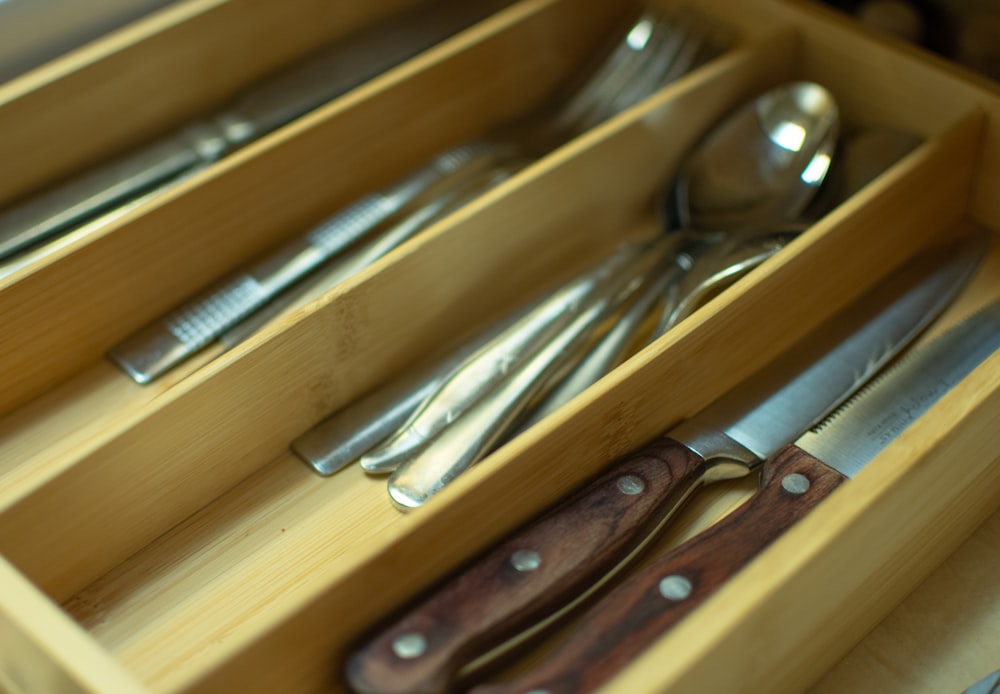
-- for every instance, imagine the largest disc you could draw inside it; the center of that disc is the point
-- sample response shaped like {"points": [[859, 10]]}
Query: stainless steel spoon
{"points": [[691, 281], [766, 177], [654, 49], [863, 156]]}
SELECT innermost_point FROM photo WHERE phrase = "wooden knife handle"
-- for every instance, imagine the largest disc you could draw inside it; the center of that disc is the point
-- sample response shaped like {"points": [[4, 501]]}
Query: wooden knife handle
{"points": [[536, 574], [633, 615]]}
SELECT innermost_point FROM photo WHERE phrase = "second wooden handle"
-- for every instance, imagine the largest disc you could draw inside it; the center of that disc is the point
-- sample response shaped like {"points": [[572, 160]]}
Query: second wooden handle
{"points": [[531, 577], [629, 618]]}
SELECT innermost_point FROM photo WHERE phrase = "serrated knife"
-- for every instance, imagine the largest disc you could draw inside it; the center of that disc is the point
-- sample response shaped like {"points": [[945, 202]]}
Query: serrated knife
{"points": [[793, 482], [550, 566]]}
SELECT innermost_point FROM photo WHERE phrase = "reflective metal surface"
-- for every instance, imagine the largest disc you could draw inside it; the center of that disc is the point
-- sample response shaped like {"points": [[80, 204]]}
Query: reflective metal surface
{"points": [[494, 413], [765, 162], [264, 106], [633, 70], [854, 434], [501, 361], [803, 385], [988, 685], [155, 349]]}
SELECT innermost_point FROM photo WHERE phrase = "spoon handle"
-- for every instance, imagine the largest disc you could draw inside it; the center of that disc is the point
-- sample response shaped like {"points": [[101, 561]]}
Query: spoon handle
{"points": [[530, 580]]}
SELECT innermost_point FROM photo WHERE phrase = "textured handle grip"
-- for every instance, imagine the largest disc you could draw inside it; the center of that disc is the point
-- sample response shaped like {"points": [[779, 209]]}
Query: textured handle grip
{"points": [[198, 323], [532, 576], [636, 613]]}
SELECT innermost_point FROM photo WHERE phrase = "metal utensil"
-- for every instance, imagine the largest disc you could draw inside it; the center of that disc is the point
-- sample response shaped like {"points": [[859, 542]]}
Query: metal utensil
{"points": [[462, 442], [793, 481], [710, 267], [428, 462], [236, 310], [609, 351], [988, 685], [551, 565], [653, 49], [492, 365], [786, 192], [263, 107], [862, 157], [156, 348], [345, 436]]}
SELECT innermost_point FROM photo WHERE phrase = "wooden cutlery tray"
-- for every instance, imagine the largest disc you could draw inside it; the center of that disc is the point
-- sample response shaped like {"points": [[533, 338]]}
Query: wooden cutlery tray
{"points": [[163, 538]]}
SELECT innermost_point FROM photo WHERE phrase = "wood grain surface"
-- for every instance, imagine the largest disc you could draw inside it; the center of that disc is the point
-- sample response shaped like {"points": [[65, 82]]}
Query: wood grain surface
{"points": [[570, 552], [641, 610], [196, 554]]}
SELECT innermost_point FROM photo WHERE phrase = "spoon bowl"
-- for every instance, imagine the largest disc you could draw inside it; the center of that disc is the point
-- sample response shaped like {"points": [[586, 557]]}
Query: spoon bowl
{"points": [[728, 256], [762, 165]]}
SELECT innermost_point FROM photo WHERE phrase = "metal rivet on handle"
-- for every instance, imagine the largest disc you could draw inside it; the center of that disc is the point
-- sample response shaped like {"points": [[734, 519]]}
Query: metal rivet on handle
{"points": [[525, 560], [795, 483], [631, 485], [409, 646], [675, 587]]}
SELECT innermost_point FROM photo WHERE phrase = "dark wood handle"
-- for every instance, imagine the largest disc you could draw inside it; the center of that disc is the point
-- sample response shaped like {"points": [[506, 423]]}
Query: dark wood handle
{"points": [[533, 576], [633, 615]]}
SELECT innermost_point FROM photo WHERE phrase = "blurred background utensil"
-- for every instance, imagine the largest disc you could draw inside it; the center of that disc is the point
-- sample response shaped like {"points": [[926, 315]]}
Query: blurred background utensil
{"points": [[423, 196], [653, 50], [988, 685], [260, 109]]}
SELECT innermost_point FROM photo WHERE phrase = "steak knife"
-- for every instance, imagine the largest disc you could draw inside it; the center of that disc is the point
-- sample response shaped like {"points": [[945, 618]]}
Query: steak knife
{"points": [[793, 482], [546, 569]]}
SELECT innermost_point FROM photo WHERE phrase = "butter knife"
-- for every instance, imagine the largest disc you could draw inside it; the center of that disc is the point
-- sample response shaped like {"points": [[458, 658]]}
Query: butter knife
{"points": [[262, 108]]}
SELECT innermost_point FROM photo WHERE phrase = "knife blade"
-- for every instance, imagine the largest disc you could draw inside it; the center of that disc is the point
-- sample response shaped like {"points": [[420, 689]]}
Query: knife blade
{"points": [[797, 478], [988, 685], [261, 108], [545, 570]]}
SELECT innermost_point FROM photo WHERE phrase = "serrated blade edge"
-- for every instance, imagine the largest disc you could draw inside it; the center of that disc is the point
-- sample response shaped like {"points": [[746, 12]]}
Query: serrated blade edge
{"points": [[868, 422], [806, 383]]}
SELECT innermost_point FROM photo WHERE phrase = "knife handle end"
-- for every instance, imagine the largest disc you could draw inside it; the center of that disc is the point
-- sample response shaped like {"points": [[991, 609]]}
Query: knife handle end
{"points": [[640, 610], [530, 580]]}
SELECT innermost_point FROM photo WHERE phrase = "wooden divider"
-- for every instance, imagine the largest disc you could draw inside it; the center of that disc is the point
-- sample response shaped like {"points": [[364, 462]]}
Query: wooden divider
{"points": [[196, 554], [693, 364], [42, 650], [152, 75], [62, 315]]}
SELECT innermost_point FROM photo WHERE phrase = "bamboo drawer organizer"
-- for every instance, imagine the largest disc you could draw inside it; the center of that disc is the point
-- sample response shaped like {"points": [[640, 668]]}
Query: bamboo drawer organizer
{"points": [[164, 539]]}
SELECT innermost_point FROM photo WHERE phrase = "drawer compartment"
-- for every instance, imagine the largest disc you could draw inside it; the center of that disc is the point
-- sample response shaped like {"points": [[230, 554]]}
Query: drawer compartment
{"points": [[171, 542]]}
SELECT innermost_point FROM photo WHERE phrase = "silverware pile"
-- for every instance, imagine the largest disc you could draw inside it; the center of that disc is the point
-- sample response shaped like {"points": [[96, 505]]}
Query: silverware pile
{"points": [[427, 428], [544, 358]]}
